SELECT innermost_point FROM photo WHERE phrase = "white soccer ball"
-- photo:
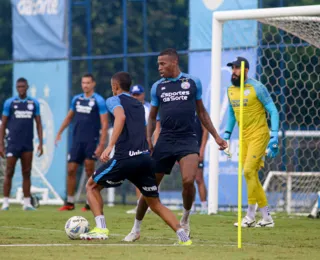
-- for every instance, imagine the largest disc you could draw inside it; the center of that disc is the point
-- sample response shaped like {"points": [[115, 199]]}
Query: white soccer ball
{"points": [[76, 226]]}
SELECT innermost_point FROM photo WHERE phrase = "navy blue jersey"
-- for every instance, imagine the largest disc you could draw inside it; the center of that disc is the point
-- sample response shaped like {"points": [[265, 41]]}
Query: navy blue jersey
{"points": [[86, 122], [176, 99], [132, 140], [198, 129], [21, 113]]}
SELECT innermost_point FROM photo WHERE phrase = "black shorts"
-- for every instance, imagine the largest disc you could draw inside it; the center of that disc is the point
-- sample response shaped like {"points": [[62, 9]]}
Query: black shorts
{"points": [[81, 151], [137, 169], [168, 150], [15, 150]]}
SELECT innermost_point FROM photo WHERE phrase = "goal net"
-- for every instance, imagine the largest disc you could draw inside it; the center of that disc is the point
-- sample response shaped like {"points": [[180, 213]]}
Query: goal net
{"points": [[283, 49]]}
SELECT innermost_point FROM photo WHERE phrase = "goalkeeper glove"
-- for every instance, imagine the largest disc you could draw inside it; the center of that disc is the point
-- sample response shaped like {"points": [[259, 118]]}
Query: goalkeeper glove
{"points": [[273, 148], [226, 151]]}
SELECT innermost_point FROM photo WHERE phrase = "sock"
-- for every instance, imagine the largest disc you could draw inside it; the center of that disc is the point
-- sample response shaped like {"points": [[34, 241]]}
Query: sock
{"points": [[193, 208], [5, 202], [87, 202], [70, 199], [266, 213], [137, 203], [204, 205], [182, 235], [185, 216], [251, 211], [136, 226], [27, 201], [100, 222]]}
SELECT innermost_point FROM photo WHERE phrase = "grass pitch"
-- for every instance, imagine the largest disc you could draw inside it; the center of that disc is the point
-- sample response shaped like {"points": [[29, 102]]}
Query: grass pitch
{"points": [[40, 235]]}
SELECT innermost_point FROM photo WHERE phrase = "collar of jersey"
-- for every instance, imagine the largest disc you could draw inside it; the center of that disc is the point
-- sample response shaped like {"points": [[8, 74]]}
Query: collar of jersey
{"points": [[175, 79], [123, 93], [22, 100], [88, 97]]}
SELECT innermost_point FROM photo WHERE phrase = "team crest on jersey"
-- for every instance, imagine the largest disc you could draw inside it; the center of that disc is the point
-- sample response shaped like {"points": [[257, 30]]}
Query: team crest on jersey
{"points": [[30, 106], [185, 85], [246, 92], [15, 107], [78, 102], [91, 103]]}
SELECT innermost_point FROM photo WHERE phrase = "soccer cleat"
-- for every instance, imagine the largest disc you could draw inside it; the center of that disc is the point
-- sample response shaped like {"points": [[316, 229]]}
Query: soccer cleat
{"points": [[265, 223], [96, 233], [246, 222], [186, 243], [204, 212], [132, 236], [28, 208], [132, 211], [5, 208], [86, 208], [67, 206], [186, 227]]}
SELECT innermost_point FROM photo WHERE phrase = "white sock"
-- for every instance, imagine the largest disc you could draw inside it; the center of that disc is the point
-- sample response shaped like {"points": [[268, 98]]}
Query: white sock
{"points": [[87, 202], [70, 199], [266, 213], [185, 216], [27, 201], [251, 211], [182, 235], [136, 226], [137, 203], [193, 208], [5, 202], [204, 205], [100, 222]]}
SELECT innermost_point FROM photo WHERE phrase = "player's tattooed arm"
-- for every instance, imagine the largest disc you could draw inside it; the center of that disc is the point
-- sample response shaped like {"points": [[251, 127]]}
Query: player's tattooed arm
{"points": [[3, 127], [207, 123], [152, 121]]}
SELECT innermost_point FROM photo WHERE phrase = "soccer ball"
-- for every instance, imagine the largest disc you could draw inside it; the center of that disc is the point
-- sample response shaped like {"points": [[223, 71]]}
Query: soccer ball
{"points": [[76, 226]]}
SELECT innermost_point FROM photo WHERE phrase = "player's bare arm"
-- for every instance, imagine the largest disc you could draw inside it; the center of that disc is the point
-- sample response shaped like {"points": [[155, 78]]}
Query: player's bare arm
{"points": [[2, 134], [104, 134], [64, 125], [119, 122], [204, 140], [152, 122], [207, 123], [40, 134]]}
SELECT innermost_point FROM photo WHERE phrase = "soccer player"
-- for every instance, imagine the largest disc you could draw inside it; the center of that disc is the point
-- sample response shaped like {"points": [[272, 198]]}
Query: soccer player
{"points": [[131, 161], [18, 115], [177, 97], [202, 136], [137, 91], [89, 114], [256, 138]]}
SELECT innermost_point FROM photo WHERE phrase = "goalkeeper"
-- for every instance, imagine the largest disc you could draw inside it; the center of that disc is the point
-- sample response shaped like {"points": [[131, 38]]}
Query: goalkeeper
{"points": [[257, 141]]}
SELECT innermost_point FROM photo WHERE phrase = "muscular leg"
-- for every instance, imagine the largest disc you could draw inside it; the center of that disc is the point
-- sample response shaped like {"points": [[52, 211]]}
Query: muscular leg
{"points": [[72, 178], [89, 166], [94, 197], [202, 190], [11, 164], [26, 164]]}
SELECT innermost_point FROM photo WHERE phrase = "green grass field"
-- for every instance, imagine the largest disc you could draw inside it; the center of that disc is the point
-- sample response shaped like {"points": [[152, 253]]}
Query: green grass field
{"points": [[40, 235]]}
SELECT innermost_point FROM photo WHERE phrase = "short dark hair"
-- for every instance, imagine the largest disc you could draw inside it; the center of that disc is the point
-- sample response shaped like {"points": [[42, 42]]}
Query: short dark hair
{"points": [[88, 75], [124, 80], [170, 52], [22, 80]]}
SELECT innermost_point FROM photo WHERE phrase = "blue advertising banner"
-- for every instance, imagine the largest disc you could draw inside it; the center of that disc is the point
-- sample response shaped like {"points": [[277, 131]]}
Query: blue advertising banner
{"points": [[48, 83], [39, 29]]}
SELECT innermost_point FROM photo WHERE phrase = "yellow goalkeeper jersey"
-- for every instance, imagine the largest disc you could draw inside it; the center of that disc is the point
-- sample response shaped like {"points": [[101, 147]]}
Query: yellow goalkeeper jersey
{"points": [[256, 98]]}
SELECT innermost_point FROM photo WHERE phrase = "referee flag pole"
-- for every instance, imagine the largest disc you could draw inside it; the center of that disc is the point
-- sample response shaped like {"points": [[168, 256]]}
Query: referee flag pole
{"points": [[240, 166]]}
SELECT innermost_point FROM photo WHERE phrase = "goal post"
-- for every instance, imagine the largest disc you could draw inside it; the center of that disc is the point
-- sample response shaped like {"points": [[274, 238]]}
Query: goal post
{"points": [[285, 38]]}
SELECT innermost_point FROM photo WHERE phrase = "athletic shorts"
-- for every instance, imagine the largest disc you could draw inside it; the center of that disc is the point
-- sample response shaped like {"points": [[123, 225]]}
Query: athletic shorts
{"points": [[169, 150], [137, 169], [81, 151], [15, 150]]}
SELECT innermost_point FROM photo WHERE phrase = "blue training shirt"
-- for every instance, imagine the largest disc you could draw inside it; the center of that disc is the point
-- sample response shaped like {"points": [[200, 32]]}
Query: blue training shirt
{"points": [[132, 140], [176, 99], [86, 122], [21, 113]]}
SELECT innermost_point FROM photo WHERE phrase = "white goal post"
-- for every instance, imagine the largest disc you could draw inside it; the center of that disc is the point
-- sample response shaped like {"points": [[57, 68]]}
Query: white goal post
{"points": [[219, 18]]}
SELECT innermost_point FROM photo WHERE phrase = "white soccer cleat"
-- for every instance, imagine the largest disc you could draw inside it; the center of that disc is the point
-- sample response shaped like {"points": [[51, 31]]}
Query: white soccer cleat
{"points": [[132, 211], [265, 223], [246, 222], [132, 236], [96, 233], [186, 227]]}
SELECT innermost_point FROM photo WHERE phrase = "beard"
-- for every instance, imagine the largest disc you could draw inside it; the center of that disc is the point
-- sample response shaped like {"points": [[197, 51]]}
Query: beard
{"points": [[235, 81]]}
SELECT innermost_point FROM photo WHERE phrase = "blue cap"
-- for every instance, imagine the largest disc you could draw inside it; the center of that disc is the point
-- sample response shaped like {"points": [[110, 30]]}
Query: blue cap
{"points": [[136, 89], [238, 61]]}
